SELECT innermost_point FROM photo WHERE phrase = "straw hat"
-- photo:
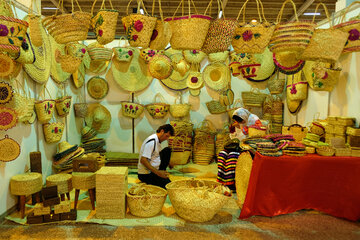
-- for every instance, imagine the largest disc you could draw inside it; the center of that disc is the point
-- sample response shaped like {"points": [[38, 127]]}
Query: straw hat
{"points": [[78, 77], [177, 80], [98, 66], [147, 54], [267, 68], [131, 76], [217, 76], [194, 80], [64, 148], [39, 71], [56, 72], [7, 65], [8, 118], [195, 92], [219, 56], [97, 87], [160, 66], [98, 118], [288, 62], [194, 56]]}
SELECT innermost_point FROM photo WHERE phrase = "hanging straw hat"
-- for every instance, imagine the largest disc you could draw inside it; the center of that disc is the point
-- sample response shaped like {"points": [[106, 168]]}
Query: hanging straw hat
{"points": [[267, 68], [7, 65], [177, 80], [288, 62], [216, 76], [194, 80], [194, 56], [56, 72], [160, 66], [8, 118], [219, 56], [131, 76], [97, 87], [39, 71], [98, 118]]}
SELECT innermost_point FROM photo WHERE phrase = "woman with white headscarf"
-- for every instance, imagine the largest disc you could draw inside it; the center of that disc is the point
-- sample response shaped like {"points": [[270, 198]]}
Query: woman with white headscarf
{"points": [[242, 120]]}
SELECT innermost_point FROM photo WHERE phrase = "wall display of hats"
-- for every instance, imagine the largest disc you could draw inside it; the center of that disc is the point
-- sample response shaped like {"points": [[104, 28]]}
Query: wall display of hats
{"points": [[98, 117], [9, 149], [97, 87]]}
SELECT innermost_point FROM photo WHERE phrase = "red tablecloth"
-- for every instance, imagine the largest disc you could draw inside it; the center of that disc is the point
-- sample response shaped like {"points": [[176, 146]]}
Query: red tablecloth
{"points": [[280, 185]]}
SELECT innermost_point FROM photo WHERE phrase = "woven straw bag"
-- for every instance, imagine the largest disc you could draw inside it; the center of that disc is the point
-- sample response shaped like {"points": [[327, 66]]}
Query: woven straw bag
{"points": [[100, 53], [226, 97], [44, 110], [215, 107], [179, 110], [320, 77], [63, 105], [104, 23], [139, 27], [253, 98], [252, 37], [53, 131], [325, 44], [80, 109], [220, 33], [70, 27], [197, 200], [297, 131], [162, 32], [353, 28], [181, 142], [145, 200], [68, 63], [131, 109], [276, 84], [298, 88], [189, 31], [158, 109], [123, 53], [204, 143], [291, 36]]}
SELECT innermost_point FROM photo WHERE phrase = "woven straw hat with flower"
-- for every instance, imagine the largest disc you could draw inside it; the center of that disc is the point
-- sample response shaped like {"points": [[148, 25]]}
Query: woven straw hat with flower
{"points": [[98, 118]]}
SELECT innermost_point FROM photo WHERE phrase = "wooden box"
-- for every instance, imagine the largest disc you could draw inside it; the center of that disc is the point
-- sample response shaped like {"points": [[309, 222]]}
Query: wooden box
{"points": [[35, 162], [72, 215], [62, 207], [50, 196], [32, 219], [52, 217], [40, 209], [87, 164]]}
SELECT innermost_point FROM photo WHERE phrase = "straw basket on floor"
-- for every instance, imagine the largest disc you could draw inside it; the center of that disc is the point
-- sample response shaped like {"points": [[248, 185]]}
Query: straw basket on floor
{"points": [[180, 143], [204, 144], [196, 200], [145, 200]]}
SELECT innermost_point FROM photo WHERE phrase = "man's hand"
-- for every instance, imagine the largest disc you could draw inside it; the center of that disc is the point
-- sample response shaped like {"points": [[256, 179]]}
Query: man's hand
{"points": [[162, 173]]}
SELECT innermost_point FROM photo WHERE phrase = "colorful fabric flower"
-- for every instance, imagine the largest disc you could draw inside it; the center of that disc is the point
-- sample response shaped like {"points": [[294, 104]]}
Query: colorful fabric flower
{"points": [[130, 53], [247, 35], [3, 30], [138, 25], [354, 35], [194, 79], [83, 50]]}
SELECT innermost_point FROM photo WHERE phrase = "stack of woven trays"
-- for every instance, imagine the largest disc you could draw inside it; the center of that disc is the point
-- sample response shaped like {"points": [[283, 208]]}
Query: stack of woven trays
{"points": [[337, 127], [129, 160], [294, 149], [277, 116], [251, 142], [311, 139], [341, 148], [90, 142], [268, 149]]}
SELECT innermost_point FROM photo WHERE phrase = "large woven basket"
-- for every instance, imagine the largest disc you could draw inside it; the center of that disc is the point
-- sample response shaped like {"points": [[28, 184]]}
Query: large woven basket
{"points": [[180, 110], [53, 131], [204, 144], [189, 31], [181, 142], [130, 109], [44, 110], [80, 109], [100, 53], [253, 98], [196, 200], [158, 109], [276, 85], [13, 33], [297, 131], [70, 27], [215, 107], [145, 200]]}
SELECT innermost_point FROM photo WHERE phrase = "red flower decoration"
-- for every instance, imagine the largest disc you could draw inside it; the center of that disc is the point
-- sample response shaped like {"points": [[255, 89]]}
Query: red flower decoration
{"points": [[157, 110], [83, 50], [194, 79], [56, 129], [138, 25], [293, 89], [154, 35], [130, 53], [100, 32], [354, 35], [135, 37], [247, 35], [131, 107]]}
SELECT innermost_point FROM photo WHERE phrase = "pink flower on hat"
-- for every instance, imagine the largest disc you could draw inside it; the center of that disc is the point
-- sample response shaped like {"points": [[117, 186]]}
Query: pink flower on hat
{"points": [[354, 35], [138, 25], [194, 79]]}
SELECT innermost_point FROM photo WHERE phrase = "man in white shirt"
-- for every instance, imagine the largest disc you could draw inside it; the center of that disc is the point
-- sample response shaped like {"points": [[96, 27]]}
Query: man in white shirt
{"points": [[152, 160]]}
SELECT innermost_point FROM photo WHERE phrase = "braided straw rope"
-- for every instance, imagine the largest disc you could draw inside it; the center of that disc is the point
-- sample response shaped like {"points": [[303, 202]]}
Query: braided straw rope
{"points": [[26, 183]]}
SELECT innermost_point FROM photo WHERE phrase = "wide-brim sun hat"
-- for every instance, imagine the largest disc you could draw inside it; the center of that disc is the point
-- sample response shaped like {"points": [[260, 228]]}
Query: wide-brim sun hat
{"points": [[267, 68], [97, 87], [177, 80], [64, 148], [131, 76], [160, 66], [98, 117], [56, 72], [194, 80], [216, 76]]}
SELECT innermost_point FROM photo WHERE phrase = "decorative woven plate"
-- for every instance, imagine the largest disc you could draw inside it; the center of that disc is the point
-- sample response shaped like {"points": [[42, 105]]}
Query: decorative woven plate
{"points": [[97, 87], [8, 118], [6, 92], [9, 149]]}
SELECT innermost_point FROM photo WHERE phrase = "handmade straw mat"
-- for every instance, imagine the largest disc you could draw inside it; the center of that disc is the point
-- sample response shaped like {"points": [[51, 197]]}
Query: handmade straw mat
{"points": [[216, 76], [56, 72], [97, 87], [26, 53], [194, 56], [39, 71], [288, 62], [219, 56], [195, 92], [98, 117], [160, 66], [78, 77], [26, 183], [177, 80], [8, 118], [9, 149], [7, 65], [267, 68], [131, 76], [6, 92], [194, 80]]}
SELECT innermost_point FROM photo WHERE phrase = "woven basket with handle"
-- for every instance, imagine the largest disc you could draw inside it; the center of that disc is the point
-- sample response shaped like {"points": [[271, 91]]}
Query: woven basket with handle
{"points": [[158, 109], [53, 131], [215, 107]]}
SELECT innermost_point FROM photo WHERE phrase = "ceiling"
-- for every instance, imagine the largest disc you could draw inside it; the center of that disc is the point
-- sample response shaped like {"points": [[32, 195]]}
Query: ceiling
{"points": [[232, 7]]}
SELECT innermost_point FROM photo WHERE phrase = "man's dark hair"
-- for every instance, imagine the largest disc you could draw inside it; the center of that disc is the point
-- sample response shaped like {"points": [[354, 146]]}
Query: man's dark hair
{"points": [[237, 118], [167, 128]]}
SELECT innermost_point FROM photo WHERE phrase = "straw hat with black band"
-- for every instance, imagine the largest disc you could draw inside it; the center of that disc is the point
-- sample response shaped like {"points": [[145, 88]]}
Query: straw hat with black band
{"points": [[98, 117]]}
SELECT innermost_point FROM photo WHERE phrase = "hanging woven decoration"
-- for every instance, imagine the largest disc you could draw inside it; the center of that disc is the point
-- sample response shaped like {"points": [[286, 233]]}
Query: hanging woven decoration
{"points": [[9, 149], [8, 118], [6, 93]]}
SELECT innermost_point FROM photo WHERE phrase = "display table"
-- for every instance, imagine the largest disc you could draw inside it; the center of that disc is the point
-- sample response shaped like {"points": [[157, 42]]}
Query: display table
{"points": [[280, 185]]}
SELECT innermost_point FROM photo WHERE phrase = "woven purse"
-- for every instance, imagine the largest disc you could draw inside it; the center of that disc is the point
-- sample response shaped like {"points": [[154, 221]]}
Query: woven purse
{"points": [[320, 77], [158, 109], [63, 105], [325, 44], [215, 107], [53, 131], [297, 131], [189, 31], [161, 35], [252, 37], [131, 109], [253, 98], [291, 36], [179, 110], [104, 23], [298, 88], [276, 84], [44, 110]]}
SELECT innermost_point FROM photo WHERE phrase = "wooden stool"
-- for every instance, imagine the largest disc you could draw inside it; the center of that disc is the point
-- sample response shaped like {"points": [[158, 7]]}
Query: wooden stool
{"points": [[25, 184], [64, 183], [84, 180]]}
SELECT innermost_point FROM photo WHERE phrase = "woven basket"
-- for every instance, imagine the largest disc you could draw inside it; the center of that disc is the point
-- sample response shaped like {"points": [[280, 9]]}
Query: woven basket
{"points": [[196, 200], [204, 144], [104, 23], [320, 77], [353, 28], [63, 105], [13, 34], [130, 109], [69, 27], [253, 98], [325, 151], [291, 36], [181, 142], [255, 131], [297, 88], [69, 64], [100, 53], [162, 32], [189, 31], [252, 37], [44, 110], [139, 28], [297, 131], [325, 44], [35, 26], [215, 107], [317, 128], [179, 110], [80, 109], [53, 131], [145, 200], [276, 85], [226, 97], [353, 131], [158, 109]]}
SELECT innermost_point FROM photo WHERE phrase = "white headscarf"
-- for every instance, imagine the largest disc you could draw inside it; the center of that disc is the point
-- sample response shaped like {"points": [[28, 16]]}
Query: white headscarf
{"points": [[248, 117]]}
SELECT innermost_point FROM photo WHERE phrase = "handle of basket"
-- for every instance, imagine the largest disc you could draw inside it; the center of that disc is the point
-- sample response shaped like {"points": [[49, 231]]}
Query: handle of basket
{"points": [[278, 19], [72, 5], [158, 95], [31, 10], [347, 10], [140, 2], [101, 7], [243, 8], [326, 12], [296, 125], [160, 10], [189, 7]]}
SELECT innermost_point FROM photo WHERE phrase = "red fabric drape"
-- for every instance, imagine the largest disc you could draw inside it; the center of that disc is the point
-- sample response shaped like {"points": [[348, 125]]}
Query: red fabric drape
{"points": [[280, 185]]}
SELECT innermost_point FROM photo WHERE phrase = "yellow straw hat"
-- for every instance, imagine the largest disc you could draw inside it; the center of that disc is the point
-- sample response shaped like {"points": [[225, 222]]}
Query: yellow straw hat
{"points": [[194, 80], [97, 87], [194, 56], [7, 65], [56, 72], [160, 66], [98, 117], [219, 56], [217, 76], [177, 80]]}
